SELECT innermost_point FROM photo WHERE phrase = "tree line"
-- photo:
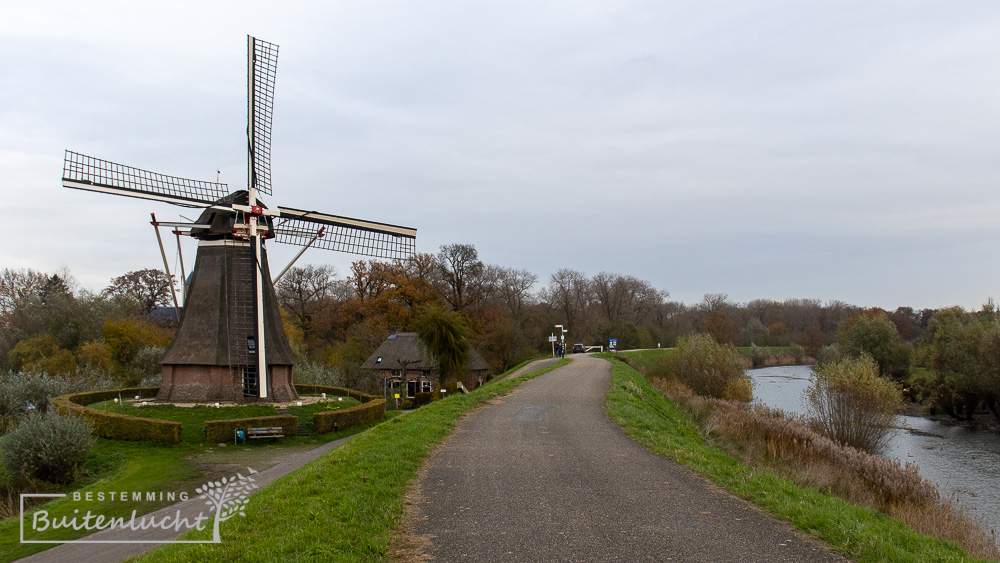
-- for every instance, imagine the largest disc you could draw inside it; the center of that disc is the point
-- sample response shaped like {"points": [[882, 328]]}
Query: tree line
{"points": [[506, 313]]}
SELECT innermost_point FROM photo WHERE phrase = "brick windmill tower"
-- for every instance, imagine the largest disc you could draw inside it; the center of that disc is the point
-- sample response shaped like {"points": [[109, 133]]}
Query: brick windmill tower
{"points": [[230, 345]]}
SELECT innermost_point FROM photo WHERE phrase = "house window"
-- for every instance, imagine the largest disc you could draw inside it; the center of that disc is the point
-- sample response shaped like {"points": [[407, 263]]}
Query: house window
{"points": [[426, 385], [411, 389]]}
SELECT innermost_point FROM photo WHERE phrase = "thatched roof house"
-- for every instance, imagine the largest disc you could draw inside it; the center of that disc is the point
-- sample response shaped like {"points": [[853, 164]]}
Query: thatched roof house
{"points": [[401, 361]]}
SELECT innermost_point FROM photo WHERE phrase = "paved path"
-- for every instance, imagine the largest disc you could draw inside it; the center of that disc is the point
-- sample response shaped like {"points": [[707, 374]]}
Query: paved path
{"points": [[106, 553], [545, 475]]}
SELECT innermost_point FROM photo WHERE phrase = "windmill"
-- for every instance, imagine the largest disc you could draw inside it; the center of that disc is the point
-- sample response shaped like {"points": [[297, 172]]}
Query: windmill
{"points": [[229, 345]]}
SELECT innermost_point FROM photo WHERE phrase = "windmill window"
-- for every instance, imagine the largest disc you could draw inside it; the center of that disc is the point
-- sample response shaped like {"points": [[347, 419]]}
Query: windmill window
{"points": [[378, 360], [251, 345]]}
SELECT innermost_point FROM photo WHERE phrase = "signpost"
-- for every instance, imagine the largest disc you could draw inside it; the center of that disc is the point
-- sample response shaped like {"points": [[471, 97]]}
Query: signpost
{"points": [[613, 345], [562, 338]]}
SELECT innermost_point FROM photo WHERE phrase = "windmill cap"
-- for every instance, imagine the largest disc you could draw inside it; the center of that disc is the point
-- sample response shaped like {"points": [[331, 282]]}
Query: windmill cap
{"points": [[221, 221]]}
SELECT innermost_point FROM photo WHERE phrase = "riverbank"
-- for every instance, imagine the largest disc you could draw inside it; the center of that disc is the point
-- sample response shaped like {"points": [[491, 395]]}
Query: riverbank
{"points": [[770, 441]]}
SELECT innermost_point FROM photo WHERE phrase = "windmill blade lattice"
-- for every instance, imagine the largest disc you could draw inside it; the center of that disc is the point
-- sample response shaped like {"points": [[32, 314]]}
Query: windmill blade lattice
{"points": [[263, 65], [94, 174], [343, 237]]}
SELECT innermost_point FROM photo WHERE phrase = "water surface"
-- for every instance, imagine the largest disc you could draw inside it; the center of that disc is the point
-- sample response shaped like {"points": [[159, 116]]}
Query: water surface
{"points": [[962, 461]]}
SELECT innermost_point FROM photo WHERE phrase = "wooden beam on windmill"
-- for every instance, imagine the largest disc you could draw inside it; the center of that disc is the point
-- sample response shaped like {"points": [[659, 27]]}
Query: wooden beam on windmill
{"points": [[230, 345]]}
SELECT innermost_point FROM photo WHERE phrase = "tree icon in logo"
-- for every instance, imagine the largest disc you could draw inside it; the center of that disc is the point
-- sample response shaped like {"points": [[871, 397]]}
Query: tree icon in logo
{"points": [[228, 496]]}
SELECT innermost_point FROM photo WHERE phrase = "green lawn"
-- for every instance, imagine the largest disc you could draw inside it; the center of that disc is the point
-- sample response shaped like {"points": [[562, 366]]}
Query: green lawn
{"points": [[148, 466]]}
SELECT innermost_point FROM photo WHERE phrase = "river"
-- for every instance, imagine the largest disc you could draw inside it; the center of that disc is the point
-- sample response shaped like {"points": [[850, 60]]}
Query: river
{"points": [[962, 461]]}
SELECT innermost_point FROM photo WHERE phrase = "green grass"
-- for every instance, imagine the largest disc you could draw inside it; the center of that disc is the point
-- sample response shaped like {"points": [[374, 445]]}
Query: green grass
{"points": [[130, 466], [859, 533], [192, 419], [345, 505], [147, 466]]}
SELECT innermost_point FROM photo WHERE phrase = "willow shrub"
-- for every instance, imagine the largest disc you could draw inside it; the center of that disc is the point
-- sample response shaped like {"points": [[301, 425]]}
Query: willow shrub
{"points": [[850, 404], [47, 446], [710, 369]]}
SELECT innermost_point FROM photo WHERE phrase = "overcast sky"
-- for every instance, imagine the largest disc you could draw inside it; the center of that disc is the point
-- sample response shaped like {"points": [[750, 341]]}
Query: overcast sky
{"points": [[764, 149]]}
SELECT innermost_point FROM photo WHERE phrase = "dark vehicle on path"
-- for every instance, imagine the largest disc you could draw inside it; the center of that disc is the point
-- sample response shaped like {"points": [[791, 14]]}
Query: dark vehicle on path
{"points": [[578, 349]]}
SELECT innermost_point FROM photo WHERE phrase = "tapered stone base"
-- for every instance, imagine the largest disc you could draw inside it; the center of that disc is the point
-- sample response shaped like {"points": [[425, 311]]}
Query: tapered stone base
{"points": [[209, 384]]}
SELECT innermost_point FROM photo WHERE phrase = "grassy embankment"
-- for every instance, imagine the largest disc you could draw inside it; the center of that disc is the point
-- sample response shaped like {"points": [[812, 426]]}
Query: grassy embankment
{"points": [[860, 533], [346, 505], [115, 465]]}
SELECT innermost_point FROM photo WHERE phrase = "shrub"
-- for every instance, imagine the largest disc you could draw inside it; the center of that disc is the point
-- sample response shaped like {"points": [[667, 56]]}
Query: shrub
{"points": [[94, 355], [760, 357], [710, 368], [871, 332], [798, 352], [126, 339], [47, 446], [852, 405], [21, 393], [827, 355], [317, 373], [42, 354]]}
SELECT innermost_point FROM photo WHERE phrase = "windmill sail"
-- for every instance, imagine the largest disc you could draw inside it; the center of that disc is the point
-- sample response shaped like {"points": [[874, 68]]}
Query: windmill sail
{"points": [[94, 174], [344, 234], [263, 65]]}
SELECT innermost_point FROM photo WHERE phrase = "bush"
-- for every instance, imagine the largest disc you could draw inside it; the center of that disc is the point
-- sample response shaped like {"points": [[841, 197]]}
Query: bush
{"points": [[22, 393], [47, 446], [827, 355], [872, 333], [42, 354], [709, 368], [317, 373], [852, 405]]}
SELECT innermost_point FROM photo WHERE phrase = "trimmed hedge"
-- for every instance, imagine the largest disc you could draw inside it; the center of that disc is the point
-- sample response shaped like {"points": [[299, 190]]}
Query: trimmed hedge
{"points": [[217, 431], [125, 427], [372, 410], [119, 426]]}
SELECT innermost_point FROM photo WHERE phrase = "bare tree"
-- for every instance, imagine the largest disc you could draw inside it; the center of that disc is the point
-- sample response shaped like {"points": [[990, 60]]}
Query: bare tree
{"points": [[625, 297], [305, 292], [17, 287], [150, 287], [461, 271], [569, 293], [514, 288]]}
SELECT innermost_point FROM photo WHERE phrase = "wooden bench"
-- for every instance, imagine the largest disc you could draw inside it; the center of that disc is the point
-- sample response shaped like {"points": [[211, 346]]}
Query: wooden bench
{"points": [[265, 432]]}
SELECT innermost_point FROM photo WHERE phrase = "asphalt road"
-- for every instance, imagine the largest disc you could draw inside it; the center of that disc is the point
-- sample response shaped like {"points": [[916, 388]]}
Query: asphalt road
{"points": [[545, 475]]}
